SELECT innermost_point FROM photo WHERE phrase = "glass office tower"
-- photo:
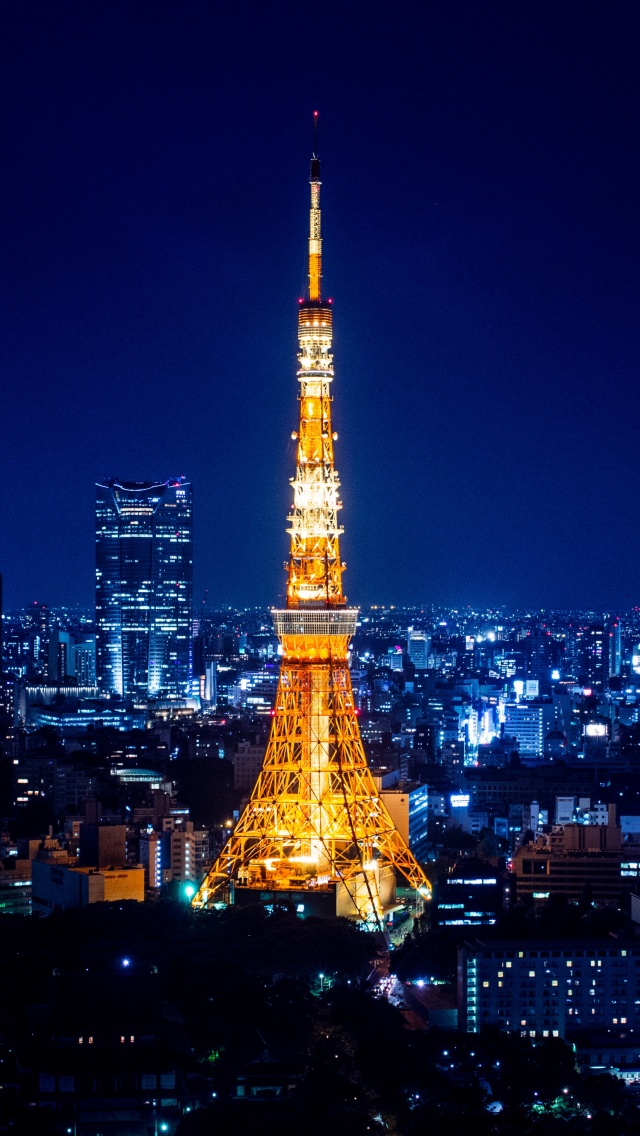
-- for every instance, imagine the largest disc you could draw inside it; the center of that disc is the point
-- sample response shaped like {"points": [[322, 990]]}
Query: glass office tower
{"points": [[143, 588]]}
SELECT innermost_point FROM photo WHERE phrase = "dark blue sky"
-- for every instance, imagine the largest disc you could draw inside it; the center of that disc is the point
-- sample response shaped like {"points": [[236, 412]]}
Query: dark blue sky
{"points": [[481, 198]]}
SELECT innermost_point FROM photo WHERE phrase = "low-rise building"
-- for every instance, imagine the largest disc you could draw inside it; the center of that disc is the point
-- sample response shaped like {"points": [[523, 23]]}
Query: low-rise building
{"points": [[15, 887], [570, 860], [470, 894], [58, 886], [408, 808], [247, 763], [548, 989]]}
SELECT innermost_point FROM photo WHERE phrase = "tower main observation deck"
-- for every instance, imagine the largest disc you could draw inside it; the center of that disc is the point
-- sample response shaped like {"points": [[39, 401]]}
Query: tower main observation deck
{"points": [[315, 830]]}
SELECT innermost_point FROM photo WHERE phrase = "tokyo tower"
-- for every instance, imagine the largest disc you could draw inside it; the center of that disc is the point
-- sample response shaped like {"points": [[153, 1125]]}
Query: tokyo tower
{"points": [[315, 831]]}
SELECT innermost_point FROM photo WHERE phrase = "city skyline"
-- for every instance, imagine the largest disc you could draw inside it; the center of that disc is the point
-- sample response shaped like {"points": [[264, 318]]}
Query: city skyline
{"points": [[483, 241]]}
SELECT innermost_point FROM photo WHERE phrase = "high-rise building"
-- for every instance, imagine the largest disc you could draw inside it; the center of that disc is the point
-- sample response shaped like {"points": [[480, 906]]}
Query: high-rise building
{"points": [[60, 656], [143, 587], [418, 647], [614, 660], [594, 660], [84, 661], [528, 722], [315, 831], [37, 618]]}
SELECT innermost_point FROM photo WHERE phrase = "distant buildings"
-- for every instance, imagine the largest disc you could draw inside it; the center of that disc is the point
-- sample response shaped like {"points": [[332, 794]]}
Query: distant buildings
{"points": [[143, 588]]}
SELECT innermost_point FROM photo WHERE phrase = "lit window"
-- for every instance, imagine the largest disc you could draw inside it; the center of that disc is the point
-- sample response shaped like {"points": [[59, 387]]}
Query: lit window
{"points": [[532, 974]]}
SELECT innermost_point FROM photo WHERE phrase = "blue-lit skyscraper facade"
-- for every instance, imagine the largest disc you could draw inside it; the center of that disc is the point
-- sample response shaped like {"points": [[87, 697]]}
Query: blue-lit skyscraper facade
{"points": [[144, 588]]}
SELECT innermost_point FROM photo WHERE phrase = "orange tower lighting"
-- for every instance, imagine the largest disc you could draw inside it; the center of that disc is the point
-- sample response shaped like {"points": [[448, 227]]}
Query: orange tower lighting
{"points": [[315, 829]]}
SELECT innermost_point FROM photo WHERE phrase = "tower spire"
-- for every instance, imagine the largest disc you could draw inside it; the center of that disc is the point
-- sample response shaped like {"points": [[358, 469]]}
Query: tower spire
{"points": [[315, 238]]}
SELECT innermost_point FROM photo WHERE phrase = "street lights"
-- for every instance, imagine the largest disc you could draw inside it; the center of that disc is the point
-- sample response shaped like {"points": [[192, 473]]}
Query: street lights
{"points": [[321, 977]]}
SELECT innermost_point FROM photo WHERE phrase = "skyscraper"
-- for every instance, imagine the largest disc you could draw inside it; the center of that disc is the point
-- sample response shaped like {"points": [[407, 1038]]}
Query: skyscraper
{"points": [[614, 632], [594, 662], [418, 647], [143, 587]]}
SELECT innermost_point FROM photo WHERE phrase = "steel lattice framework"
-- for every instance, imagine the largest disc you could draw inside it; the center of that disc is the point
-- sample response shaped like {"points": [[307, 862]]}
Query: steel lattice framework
{"points": [[315, 821]]}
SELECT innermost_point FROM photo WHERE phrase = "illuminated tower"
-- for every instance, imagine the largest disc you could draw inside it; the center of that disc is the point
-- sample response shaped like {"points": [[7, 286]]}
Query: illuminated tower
{"points": [[315, 830]]}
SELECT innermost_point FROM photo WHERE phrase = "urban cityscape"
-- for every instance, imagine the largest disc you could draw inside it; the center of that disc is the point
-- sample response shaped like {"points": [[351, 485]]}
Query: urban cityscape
{"points": [[315, 864]]}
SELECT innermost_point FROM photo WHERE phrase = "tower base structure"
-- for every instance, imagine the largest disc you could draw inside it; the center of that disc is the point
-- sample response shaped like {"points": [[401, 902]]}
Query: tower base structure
{"points": [[315, 831], [329, 901]]}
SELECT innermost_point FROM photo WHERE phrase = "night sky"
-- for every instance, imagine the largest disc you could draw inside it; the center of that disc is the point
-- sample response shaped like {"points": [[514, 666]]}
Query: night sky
{"points": [[481, 204]]}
